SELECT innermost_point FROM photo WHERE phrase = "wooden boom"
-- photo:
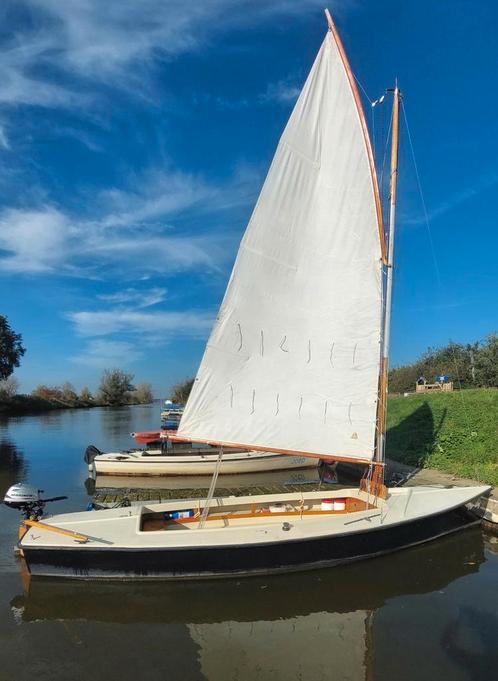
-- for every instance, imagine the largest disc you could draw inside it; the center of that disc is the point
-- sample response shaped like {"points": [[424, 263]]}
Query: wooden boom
{"points": [[81, 538]]}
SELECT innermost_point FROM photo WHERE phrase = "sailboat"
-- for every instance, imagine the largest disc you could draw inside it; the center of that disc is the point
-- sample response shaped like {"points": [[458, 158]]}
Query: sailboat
{"points": [[296, 364]]}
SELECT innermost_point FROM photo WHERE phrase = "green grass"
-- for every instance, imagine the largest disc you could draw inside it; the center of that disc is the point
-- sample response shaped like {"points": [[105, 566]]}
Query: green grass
{"points": [[453, 432]]}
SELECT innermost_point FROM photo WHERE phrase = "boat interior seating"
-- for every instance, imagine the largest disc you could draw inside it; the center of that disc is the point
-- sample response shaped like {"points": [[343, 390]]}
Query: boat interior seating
{"points": [[188, 518]]}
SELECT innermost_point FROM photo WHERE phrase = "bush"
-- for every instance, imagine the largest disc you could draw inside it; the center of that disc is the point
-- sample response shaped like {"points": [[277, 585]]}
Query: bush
{"points": [[48, 393], [180, 391], [143, 394], [115, 387], [469, 366], [86, 396]]}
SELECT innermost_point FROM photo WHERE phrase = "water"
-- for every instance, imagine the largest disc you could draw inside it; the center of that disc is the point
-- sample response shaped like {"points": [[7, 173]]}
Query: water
{"points": [[426, 613]]}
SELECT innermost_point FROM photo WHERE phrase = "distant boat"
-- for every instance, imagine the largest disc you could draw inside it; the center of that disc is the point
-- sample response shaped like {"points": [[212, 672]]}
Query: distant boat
{"points": [[171, 414], [297, 365], [147, 437]]}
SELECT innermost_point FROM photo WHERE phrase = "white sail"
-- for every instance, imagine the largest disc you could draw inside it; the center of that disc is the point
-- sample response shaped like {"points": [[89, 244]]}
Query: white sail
{"points": [[292, 363]]}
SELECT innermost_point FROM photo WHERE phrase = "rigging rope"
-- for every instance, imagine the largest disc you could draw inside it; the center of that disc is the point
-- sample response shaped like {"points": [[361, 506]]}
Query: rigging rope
{"points": [[372, 107], [435, 260], [419, 184], [205, 510]]}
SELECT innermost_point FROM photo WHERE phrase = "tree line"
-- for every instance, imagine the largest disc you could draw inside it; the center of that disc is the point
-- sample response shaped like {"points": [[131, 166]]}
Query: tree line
{"points": [[115, 388], [467, 365], [472, 365]]}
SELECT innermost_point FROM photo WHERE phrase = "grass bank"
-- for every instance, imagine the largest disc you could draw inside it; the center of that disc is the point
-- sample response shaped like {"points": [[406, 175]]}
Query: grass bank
{"points": [[29, 404], [453, 432]]}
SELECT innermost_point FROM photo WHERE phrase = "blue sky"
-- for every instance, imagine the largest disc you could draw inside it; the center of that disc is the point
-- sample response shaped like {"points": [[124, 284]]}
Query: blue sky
{"points": [[134, 137]]}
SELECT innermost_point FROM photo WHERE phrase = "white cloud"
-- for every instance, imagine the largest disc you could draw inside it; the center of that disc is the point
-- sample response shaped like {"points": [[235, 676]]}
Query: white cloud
{"points": [[137, 297], [101, 354], [18, 85], [107, 322], [35, 241], [480, 185], [283, 91], [99, 41], [4, 140], [132, 229], [166, 193]]}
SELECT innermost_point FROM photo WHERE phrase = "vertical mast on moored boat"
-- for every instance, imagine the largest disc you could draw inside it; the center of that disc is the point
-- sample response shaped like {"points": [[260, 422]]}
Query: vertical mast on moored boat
{"points": [[381, 443]]}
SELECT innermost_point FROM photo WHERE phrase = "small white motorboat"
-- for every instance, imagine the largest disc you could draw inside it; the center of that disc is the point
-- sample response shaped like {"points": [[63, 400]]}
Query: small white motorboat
{"points": [[146, 462]]}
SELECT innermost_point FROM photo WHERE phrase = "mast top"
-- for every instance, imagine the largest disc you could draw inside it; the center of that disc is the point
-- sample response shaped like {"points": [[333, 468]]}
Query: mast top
{"points": [[329, 19]]}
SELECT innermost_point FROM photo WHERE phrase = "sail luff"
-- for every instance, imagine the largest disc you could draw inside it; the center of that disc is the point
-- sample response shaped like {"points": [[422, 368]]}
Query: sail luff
{"points": [[292, 363]]}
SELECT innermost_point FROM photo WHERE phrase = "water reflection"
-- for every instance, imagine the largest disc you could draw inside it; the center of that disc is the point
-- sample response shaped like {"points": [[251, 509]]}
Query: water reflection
{"points": [[470, 642], [13, 467], [264, 479], [281, 628], [114, 421], [422, 613], [365, 585]]}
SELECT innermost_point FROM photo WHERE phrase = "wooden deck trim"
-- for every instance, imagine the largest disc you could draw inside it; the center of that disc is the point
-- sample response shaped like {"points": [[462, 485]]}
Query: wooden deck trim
{"points": [[265, 514], [81, 538]]}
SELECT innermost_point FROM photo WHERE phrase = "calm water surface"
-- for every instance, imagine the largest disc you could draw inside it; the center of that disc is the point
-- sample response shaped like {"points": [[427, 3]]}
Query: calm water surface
{"points": [[426, 613]]}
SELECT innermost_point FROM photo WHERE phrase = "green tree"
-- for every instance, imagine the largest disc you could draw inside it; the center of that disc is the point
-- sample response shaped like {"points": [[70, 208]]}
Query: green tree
{"points": [[457, 361], [8, 388], [115, 387], [180, 391], [486, 363], [11, 348], [143, 394], [68, 393], [86, 396]]}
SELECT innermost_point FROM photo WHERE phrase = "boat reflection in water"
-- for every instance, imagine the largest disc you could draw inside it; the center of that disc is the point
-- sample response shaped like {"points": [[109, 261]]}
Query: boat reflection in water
{"points": [[320, 625], [282, 477]]}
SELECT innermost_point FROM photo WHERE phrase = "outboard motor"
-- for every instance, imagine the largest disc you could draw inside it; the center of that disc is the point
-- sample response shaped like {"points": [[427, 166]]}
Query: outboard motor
{"points": [[28, 500], [90, 453]]}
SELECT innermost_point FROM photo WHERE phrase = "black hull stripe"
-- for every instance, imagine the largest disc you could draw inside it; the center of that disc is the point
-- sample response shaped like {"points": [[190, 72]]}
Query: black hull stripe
{"points": [[195, 563]]}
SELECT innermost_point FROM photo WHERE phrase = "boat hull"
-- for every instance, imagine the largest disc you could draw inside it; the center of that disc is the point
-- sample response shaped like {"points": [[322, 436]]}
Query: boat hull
{"points": [[240, 560], [196, 464]]}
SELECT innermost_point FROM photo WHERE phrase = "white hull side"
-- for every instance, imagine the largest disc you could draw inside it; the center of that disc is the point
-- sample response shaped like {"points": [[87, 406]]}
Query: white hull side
{"points": [[120, 528], [245, 462]]}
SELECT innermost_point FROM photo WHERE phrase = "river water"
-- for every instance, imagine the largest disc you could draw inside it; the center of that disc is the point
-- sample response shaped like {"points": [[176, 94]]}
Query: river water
{"points": [[426, 613]]}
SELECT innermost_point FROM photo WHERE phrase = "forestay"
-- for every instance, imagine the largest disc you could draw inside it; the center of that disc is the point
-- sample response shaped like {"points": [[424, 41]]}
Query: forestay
{"points": [[293, 360]]}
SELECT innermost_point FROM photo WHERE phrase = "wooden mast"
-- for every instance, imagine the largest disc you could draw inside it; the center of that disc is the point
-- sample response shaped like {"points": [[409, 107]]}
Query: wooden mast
{"points": [[384, 369]]}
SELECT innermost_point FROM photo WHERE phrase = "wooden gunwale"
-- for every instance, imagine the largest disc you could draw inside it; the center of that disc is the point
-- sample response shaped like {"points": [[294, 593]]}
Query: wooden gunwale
{"points": [[254, 513]]}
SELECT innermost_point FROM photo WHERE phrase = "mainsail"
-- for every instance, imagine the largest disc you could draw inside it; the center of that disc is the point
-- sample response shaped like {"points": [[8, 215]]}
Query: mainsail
{"points": [[292, 363]]}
